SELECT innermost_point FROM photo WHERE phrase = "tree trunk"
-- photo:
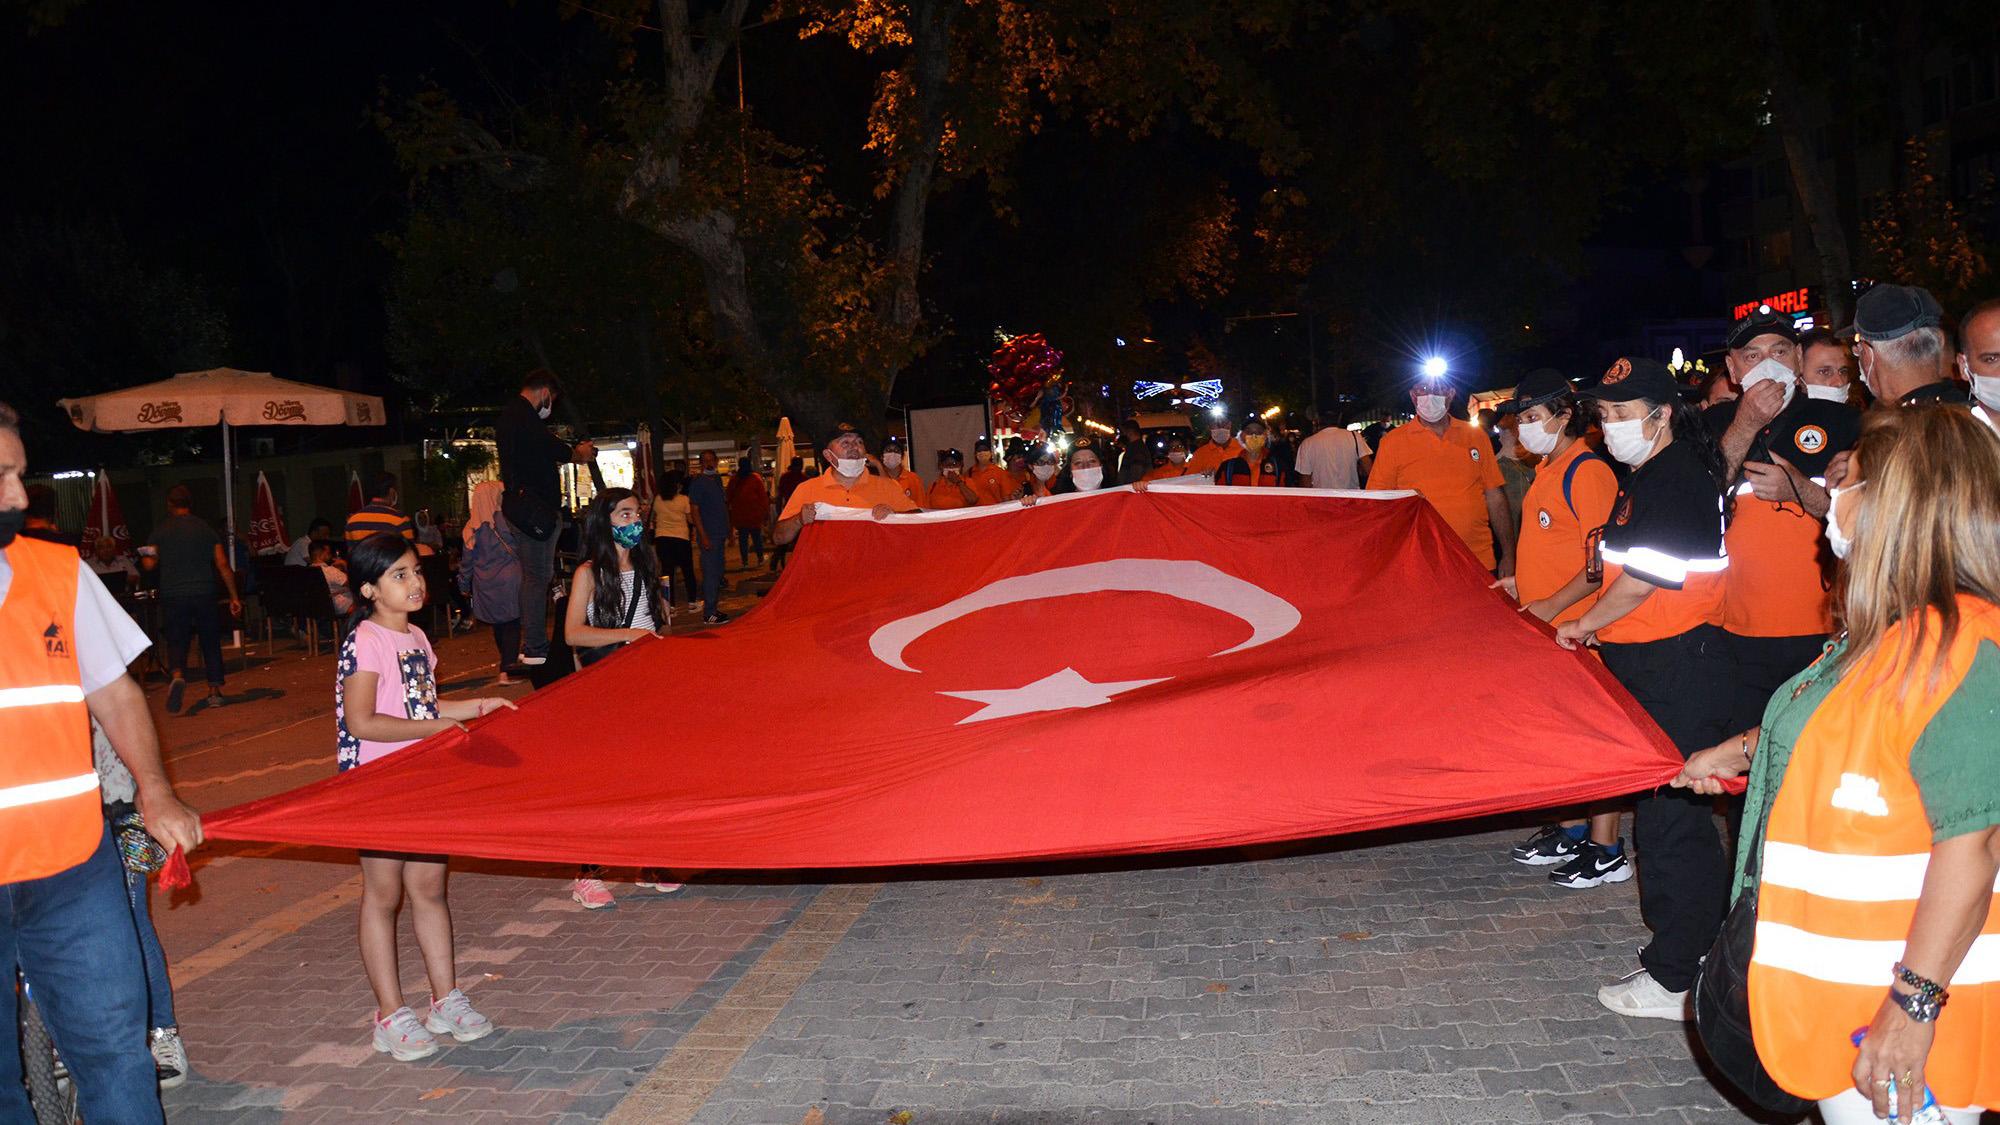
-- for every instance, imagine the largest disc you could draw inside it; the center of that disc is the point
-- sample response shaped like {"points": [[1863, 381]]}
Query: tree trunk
{"points": [[1815, 194], [932, 62]]}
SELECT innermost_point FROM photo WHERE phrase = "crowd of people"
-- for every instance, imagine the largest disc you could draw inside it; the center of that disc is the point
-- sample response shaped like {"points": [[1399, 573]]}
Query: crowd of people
{"points": [[1794, 571]]}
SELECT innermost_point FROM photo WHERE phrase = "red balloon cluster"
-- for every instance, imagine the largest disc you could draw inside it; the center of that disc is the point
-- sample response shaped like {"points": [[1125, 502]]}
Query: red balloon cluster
{"points": [[1020, 368]]}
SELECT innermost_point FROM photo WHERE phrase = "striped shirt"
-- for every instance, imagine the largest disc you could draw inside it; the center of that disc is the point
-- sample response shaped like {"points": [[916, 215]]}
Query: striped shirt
{"points": [[371, 518]]}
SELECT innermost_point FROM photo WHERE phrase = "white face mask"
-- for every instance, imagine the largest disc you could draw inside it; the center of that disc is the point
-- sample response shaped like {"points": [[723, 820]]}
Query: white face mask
{"points": [[1627, 440], [1432, 407], [1087, 480], [1837, 536], [1537, 438], [892, 461], [850, 466], [1219, 435], [1044, 472], [1773, 371], [1985, 388], [544, 410], [1177, 456], [1827, 394]]}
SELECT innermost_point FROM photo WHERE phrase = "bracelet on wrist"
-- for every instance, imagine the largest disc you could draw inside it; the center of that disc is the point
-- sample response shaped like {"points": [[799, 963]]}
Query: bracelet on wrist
{"points": [[1924, 986]]}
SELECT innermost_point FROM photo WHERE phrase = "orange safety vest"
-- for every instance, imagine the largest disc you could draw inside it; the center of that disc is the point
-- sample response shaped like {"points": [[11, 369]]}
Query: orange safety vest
{"points": [[51, 817], [1845, 854]]}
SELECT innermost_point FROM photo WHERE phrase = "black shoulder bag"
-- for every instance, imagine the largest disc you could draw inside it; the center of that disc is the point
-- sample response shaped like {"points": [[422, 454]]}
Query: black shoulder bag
{"points": [[585, 657], [1722, 1004], [533, 516]]}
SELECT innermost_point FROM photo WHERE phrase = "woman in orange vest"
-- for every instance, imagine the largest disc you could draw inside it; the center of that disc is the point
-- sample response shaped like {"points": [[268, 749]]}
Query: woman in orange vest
{"points": [[1176, 464], [1874, 790], [1569, 499], [1261, 463]]}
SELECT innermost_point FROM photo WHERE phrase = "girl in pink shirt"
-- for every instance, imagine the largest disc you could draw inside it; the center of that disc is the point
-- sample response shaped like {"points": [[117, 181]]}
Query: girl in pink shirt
{"points": [[385, 698]]}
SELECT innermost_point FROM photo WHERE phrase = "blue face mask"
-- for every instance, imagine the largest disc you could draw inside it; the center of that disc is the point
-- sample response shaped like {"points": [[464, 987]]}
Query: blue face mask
{"points": [[628, 536]]}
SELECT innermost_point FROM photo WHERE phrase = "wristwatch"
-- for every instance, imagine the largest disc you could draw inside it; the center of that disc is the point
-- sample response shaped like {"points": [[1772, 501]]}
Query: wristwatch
{"points": [[1917, 1005]]}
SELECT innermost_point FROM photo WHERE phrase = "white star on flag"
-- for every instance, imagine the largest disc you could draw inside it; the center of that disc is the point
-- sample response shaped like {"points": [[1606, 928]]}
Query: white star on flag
{"points": [[1058, 692]]}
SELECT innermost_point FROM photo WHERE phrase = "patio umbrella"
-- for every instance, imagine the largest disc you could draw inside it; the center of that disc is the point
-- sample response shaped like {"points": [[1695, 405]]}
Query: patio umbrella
{"points": [[355, 500], [642, 472], [267, 524], [105, 518], [224, 397], [786, 442]]}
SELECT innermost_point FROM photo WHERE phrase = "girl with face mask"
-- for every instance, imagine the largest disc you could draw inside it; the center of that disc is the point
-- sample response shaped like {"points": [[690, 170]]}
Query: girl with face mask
{"points": [[1174, 464], [614, 599], [1656, 625], [1569, 498], [952, 489]]}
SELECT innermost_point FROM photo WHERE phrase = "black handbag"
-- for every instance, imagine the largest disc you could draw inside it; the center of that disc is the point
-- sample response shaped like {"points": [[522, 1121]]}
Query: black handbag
{"points": [[533, 516], [1722, 1007], [585, 657]]}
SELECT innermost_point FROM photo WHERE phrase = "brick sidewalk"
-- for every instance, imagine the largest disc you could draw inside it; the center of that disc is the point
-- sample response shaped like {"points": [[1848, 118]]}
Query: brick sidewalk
{"points": [[1422, 981]]}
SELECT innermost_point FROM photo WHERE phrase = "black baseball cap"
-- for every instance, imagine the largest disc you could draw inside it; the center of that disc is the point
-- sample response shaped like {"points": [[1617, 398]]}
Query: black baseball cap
{"points": [[950, 455], [1635, 378], [1761, 322], [894, 445], [984, 443], [1539, 387], [1887, 311]]}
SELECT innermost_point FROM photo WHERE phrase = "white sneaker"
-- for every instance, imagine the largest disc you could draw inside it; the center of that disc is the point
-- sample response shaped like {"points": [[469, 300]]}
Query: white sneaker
{"points": [[170, 1057], [454, 1016], [403, 1037], [1642, 997], [533, 661]]}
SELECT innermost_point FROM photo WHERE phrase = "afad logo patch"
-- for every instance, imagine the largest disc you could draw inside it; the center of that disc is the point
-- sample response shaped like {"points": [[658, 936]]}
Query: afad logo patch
{"points": [[1809, 439], [54, 642], [1542, 517]]}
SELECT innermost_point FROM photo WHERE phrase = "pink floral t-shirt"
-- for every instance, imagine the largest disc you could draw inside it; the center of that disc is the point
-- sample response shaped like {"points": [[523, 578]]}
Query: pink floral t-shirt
{"points": [[405, 670]]}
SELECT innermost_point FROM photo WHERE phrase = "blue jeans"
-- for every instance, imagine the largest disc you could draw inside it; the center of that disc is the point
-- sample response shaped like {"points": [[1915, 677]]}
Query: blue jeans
{"points": [[183, 617], [749, 539], [711, 575], [538, 566], [159, 986], [71, 934]]}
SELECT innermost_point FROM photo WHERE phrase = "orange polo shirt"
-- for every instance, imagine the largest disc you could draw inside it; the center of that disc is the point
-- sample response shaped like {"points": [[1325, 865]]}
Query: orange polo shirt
{"points": [[1207, 456], [945, 493], [993, 483], [867, 492], [1453, 472], [912, 486], [1554, 539]]}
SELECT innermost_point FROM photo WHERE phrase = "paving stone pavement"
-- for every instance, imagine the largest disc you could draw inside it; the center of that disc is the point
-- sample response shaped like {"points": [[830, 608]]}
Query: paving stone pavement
{"points": [[1415, 980]]}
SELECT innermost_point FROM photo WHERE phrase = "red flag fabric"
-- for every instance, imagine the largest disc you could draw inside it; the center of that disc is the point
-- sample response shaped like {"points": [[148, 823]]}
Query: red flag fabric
{"points": [[355, 499], [267, 524], [105, 517], [642, 474], [1099, 674]]}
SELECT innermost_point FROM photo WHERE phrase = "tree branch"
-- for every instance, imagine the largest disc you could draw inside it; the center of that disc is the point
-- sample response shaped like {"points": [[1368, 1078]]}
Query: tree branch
{"points": [[932, 34]]}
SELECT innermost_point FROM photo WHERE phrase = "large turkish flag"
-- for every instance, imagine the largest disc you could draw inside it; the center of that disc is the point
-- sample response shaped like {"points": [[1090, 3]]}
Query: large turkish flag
{"points": [[1098, 674]]}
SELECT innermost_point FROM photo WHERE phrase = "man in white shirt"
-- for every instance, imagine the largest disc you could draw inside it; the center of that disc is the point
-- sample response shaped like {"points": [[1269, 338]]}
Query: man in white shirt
{"points": [[301, 551], [1334, 457]]}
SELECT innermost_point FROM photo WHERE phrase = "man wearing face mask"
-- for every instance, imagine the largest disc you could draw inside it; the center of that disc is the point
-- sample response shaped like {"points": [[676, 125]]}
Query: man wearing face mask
{"points": [[1261, 464], [847, 483], [1901, 347], [530, 458], [951, 489], [1979, 358], [895, 467], [65, 918], [1450, 464], [1828, 371], [1777, 602], [1222, 445], [1656, 624], [992, 481]]}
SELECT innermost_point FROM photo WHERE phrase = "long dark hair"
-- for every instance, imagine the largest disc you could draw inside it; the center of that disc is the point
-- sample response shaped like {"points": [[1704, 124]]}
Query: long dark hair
{"points": [[607, 600], [1688, 427], [367, 562], [668, 484]]}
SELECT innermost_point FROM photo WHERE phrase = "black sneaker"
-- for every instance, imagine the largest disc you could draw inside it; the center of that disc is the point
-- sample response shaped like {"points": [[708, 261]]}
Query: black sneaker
{"points": [[176, 691], [1553, 844], [1594, 865], [715, 619]]}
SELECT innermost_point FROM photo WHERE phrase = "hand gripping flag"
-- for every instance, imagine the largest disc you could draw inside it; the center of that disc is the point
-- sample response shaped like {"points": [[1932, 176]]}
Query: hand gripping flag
{"points": [[1098, 674]]}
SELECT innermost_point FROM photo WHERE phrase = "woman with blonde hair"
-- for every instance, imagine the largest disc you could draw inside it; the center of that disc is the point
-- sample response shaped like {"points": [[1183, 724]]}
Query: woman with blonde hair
{"points": [[1875, 791]]}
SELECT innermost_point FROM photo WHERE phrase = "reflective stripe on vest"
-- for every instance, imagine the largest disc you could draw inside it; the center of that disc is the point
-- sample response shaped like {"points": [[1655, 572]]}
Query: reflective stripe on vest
{"points": [[38, 696], [1866, 963], [38, 792]]}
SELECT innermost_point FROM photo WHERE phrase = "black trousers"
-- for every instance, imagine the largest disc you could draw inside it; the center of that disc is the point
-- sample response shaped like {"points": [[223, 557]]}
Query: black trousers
{"points": [[1683, 682], [1762, 665], [677, 554]]}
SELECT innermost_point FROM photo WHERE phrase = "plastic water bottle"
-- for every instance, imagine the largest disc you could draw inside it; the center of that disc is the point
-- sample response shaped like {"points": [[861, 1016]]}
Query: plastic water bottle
{"points": [[1926, 1114]]}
